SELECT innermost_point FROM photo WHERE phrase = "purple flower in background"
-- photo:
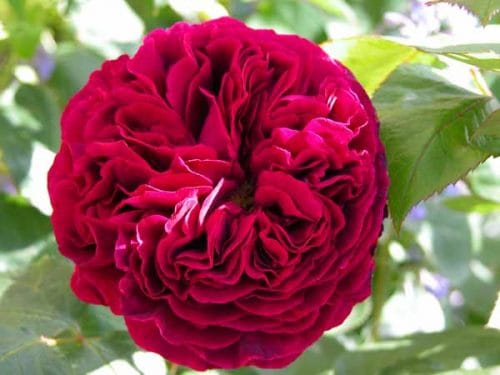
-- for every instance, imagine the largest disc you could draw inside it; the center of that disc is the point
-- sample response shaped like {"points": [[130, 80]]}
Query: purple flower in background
{"points": [[435, 283], [418, 212], [43, 63], [421, 20]]}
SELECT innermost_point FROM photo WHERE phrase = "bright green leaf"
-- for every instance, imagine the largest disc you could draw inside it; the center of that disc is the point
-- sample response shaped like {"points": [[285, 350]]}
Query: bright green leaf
{"points": [[24, 38], [44, 329], [483, 9], [472, 203], [371, 59], [423, 353], [41, 104], [425, 127], [22, 224]]}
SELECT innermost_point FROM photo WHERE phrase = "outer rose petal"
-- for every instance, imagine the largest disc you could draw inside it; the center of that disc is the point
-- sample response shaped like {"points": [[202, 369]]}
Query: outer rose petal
{"points": [[223, 189]]}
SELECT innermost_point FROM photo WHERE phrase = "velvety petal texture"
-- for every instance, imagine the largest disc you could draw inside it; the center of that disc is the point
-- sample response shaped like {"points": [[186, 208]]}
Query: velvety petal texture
{"points": [[223, 190]]}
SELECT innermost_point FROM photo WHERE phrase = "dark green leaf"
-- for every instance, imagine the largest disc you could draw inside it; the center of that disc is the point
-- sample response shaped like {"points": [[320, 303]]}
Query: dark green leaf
{"points": [[423, 353], [15, 149], [425, 127], [472, 203], [483, 9], [44, 329], [41, 104], [143, 8], [22, 224], [164, 16]]}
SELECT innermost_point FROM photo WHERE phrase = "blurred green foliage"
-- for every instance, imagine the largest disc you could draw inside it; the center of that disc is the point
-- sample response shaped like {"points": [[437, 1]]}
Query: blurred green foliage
{"points": [[438, 268]]}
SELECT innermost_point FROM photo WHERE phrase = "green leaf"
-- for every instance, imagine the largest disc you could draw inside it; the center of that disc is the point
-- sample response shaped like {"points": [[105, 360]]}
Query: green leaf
{"points": [[487, 137], [22, 224], [291, 16], [7, 63], [425, 127], [447, 240], [44, 329], [485, 179], [24, 37], [72, 71], [41, 104], [15, 149], [485, 56], [423, 353], [143, 8], [371, 59], [483, 9], [472, 203], [164, 16]]}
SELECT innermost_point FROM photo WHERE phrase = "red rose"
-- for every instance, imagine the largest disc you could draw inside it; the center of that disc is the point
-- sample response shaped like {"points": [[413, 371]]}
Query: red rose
{"points": [[223, 190]]}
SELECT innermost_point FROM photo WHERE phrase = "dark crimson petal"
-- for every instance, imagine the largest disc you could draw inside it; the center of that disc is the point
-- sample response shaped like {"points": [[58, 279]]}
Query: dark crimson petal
{"points": [[223, 190]]}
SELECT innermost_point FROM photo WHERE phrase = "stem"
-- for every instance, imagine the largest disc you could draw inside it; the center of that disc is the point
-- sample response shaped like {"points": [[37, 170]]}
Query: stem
{"points": [[173, 369], [494, 320], [381, 281], [480, 83]]}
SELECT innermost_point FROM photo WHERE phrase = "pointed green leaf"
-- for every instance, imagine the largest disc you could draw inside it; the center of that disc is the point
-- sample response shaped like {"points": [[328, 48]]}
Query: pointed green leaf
{"points": [[426, 125], [44, 329]]}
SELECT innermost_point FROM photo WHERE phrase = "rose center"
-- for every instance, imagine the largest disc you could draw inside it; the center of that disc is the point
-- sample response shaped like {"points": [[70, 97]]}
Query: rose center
{"points": [[243, 196]]}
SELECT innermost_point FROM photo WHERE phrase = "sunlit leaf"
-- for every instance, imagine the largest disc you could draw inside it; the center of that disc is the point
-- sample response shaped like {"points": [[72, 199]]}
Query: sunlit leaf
{"points": [[372, 59]]}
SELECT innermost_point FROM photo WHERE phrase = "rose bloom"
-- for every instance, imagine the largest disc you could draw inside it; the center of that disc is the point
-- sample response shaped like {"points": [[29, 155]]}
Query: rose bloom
{"points": [[223, 190]]}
